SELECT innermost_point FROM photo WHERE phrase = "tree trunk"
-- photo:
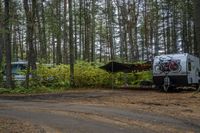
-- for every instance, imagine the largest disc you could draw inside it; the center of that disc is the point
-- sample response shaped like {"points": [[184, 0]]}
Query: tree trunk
{"points": [[80, 29], [15, 45], [184, 33], [121, 42], [93, 34], [174, 31], [156, 47], [146, 30], [1, 35], [164, 33], [168, 34], [136, 30], [123, 31], [40, 37], [8, 44], [110, 28], [44, 40], [75, 33], [41, 29], [101, 43], [30, 22], [58, 34], [130, 25], [71, 44], [197, 27], [54, 48], [65, 45], [87, 20], [21, 49]]}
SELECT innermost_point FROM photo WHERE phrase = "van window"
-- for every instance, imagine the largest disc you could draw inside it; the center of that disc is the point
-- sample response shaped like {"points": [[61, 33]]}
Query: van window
{"points": [[18, 67], [14, 69], [189, 66], [22, 66]]}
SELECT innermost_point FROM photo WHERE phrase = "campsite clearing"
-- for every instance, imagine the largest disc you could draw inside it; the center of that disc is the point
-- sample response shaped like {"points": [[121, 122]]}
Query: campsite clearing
{"points": [[103, 110]]}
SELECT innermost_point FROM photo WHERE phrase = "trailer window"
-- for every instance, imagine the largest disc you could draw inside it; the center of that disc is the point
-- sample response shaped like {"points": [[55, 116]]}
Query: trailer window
{"points": [[189, 66]]}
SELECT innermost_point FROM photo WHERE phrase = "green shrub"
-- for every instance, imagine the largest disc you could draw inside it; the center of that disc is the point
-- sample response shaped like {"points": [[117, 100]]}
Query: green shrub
{"points": [[57, 76], [142, 76], [85, 75], [52, 79], [131, 78], [124, 78]]}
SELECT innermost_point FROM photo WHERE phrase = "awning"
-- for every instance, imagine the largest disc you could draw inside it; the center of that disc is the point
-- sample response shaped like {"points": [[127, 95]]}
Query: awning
{"points": [[127, 68]]}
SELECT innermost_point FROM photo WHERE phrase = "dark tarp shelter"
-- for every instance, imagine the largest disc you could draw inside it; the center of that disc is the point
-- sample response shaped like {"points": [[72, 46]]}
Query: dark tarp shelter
{"points": [[127, 68]]}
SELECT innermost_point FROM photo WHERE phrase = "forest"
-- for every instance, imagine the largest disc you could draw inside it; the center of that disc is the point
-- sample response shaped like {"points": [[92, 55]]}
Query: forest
{"points": [[79, 36]]}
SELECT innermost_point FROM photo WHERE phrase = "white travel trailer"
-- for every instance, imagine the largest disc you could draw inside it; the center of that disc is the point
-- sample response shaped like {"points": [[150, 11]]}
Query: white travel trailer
{"points": [[176, 70]]}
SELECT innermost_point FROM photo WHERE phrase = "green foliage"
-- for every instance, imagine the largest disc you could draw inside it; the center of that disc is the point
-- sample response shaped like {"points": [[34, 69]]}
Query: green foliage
{"points": [[124, 78], [4, 91], [86, 75], [142, 76], [56, 78], [90, 75], [1, 78], [132, 78]]}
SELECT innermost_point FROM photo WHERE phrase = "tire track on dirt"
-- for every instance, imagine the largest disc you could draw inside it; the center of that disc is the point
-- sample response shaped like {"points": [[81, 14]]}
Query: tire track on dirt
{"points": [[111, 116]]}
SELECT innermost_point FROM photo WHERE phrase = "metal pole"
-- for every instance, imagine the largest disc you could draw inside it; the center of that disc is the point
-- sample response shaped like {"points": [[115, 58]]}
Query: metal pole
{"points": [[112, 77]]}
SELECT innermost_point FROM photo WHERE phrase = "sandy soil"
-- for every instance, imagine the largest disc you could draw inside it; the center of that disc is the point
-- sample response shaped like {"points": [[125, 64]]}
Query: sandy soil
{"points": [[9, 125]]}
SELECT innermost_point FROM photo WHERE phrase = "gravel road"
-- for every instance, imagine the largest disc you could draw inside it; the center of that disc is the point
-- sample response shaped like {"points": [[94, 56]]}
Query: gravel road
{"points": [[98, 112]]}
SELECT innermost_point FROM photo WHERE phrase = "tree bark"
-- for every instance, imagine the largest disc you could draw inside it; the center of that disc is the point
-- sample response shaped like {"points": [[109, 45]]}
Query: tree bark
{"points": [[174, 29], [75, 33], [197, 27], [8, 44], [54, 48], [1, 35], [30, 23], [110, 28], [168, 34], [87, 31], [65, 45], [156, 47], [71, 44], [44, 40], [93, 34], [58, 35], [41, 29], [80, 29]]}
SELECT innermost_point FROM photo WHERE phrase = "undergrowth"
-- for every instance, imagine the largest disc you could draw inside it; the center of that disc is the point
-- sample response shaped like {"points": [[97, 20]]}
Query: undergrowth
{"points": [[89, 75]]}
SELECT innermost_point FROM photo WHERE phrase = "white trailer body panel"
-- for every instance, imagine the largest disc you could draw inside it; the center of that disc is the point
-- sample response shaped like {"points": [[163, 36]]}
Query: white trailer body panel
{"points": [[182, 69]]}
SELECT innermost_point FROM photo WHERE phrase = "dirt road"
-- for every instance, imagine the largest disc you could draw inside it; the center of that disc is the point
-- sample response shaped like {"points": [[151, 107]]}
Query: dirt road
{"points": [[103, 111]]}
